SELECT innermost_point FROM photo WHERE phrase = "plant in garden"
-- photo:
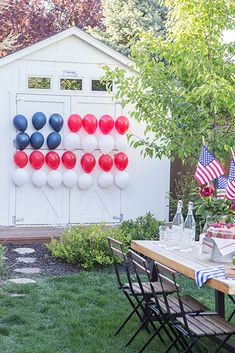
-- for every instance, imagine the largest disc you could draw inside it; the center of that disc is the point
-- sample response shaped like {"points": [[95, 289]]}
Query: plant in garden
{"points": [[208, 204], [144, 227], [124, 20], [183, 86], [88, 245]]}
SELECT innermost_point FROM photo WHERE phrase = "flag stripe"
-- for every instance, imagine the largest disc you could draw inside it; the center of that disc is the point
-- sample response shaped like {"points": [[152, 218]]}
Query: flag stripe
{"points": [[208, 167]]}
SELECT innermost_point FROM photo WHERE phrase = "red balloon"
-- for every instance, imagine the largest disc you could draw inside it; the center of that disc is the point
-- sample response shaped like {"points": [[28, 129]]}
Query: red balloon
{"points": [[69, 159], [21, 159], [122, 124], [74, 122], [52, 160], [90, 123], [121, 161], [106, 124], [88, 162], [105, 162], [36, 159]]}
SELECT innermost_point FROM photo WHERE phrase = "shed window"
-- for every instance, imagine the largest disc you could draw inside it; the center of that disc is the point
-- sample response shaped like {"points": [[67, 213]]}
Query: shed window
{"points": [[101, 86], [71, 84], [36, 82]]}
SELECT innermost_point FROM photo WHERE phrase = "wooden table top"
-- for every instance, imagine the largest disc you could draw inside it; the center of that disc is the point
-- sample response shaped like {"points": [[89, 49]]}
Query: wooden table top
{"points": [[185, 262]]}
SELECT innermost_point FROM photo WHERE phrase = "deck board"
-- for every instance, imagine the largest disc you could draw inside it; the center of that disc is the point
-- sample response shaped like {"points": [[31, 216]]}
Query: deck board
{"points": [[20, 235]]}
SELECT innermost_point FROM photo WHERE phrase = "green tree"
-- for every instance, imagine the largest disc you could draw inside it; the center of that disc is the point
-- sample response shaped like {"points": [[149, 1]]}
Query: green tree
{"points": [[183, 88], [124, 20]]}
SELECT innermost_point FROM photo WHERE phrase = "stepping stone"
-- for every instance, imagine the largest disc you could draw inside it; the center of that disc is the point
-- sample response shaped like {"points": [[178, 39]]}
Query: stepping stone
{"points": [[22, 281], [28, 270], [23, 251], [26, 260], [16, 295]]}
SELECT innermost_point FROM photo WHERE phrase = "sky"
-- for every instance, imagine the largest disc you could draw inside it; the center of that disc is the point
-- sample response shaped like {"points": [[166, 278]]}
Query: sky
{"points": [[229, 36]]}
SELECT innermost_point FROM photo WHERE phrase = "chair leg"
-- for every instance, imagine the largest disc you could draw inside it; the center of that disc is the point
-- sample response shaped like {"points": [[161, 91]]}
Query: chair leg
{"points": [[151, 338], [222, 343], [136, 332], [135, 310], [232, 314]]}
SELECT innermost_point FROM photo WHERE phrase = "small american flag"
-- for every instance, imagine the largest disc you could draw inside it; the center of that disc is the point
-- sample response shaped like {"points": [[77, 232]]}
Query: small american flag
{"points": [[221, 185], [208, 167], [230, 190]]}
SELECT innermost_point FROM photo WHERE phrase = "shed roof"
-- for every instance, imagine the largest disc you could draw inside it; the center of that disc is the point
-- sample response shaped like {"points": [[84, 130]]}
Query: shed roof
{"points": [[73, 31]]}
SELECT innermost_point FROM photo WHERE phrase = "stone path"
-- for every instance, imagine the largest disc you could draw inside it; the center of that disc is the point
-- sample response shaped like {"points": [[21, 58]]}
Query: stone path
{"points": [[24, 270]]}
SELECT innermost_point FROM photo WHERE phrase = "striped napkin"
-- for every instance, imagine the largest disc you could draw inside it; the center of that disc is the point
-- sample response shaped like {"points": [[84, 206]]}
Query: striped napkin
{"points": [[202, 275], [225, 246]]}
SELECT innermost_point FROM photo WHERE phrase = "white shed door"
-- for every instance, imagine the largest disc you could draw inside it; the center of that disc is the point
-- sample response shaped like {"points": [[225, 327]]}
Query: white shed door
{"points": [[62, 206], [44, 205], [95, 204]]}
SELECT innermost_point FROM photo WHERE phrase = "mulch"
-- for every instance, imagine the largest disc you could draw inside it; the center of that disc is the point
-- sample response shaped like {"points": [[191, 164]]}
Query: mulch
{"points": [[49, 264]]}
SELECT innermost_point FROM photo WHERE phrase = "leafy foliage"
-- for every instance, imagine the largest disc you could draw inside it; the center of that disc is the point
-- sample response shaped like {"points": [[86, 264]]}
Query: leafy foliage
{"points": [[183, 87], [32, 21], [144, 227], [88, 245], [124, 20]]}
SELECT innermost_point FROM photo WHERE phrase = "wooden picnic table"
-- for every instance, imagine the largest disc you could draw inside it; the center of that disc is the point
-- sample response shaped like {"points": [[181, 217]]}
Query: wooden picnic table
{"points": [[188, 263]]}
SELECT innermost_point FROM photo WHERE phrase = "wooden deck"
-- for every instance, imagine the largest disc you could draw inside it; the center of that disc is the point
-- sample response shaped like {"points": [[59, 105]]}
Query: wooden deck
{"points": [[20, 235]]}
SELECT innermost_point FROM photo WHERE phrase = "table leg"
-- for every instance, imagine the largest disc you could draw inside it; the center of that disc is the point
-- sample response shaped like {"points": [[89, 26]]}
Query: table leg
{"points": [[219, 303]]}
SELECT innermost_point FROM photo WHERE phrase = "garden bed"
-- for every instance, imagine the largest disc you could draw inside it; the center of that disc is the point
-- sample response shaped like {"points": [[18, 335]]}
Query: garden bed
{"points": [[48, 264]]}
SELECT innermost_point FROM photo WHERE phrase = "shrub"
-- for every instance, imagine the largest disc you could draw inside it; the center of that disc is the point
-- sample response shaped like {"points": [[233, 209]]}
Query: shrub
{"points": [[144, 227], [88, 245]]}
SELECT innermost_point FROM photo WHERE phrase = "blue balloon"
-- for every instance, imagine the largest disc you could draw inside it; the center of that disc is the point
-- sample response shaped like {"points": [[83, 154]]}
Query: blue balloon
{"points": [[22, 141], [20, 122], [37, 140], [56, 121], [53, 140], [39, 120]]}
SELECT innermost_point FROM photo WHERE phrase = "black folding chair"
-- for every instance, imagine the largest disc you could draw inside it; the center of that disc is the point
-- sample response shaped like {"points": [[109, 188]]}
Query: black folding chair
{"points": [[126, 284], [233, 312], [192, 326], [154, 310]]}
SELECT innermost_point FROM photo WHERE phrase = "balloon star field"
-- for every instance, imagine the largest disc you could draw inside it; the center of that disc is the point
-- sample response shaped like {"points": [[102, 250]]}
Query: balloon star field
{"points": [[53, 159]]}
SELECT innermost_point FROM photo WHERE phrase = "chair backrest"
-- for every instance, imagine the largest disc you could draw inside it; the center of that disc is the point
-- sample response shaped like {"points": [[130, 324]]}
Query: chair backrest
{"points": [[142, 270], [167, 276], [121, 266]]}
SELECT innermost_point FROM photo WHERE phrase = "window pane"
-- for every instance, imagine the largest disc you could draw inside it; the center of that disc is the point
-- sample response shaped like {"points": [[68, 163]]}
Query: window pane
{"points": [[39, 82], [102, 86], [71, 84]]}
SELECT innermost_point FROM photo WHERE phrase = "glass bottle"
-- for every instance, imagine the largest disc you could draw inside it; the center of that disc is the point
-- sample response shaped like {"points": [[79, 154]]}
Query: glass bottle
{"points": [[178, 225], [188, 237]]}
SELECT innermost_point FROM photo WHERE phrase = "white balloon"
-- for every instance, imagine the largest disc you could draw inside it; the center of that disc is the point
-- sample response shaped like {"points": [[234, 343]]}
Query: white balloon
{"points": [[39, 178], [89, 143], [71, 141], [122, 179], [105, 180], [54, 179], [122, 143], [69, 178], [106, 144], [20, 177], [85, 181]]}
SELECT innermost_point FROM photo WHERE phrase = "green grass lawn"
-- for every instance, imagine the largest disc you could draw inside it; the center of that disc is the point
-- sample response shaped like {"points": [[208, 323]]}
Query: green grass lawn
{"points": [[73, 314]]}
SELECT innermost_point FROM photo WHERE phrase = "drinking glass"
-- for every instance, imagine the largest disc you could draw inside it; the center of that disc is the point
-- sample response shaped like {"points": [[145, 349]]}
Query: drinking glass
{"points": [[162, 235]]}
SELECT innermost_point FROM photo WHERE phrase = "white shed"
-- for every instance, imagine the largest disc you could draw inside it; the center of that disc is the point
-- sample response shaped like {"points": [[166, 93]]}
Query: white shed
{"points": [[72, 55]]}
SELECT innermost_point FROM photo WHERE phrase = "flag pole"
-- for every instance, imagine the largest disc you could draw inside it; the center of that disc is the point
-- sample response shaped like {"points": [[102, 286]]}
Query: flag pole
{"points": [[203, 140], [232, 151]]}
